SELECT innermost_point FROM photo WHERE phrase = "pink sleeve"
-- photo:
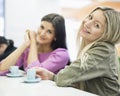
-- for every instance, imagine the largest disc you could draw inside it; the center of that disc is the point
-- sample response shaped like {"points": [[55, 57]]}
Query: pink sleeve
{"points": [[56, 61]]}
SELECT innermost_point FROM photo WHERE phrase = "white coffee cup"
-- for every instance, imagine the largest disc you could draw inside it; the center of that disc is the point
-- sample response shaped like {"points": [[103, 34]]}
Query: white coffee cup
{"points": [[14, 70], [31, 74]]}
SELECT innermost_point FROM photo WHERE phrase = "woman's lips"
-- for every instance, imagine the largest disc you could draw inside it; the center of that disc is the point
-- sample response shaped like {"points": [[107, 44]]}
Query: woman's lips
{"points": [[85, 30], [42, 38]]}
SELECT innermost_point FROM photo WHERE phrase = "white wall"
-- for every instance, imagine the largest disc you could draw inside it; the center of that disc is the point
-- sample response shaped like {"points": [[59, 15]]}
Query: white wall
{"points": [[23, 14]]}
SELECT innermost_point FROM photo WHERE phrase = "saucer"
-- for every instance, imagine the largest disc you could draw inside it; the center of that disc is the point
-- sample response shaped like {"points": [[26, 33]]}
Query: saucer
{"points": [[14, 75], [32, 81]]}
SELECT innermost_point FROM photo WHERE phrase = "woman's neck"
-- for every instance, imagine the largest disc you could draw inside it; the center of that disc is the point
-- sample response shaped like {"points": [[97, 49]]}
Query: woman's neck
{"points": [[44, 49], [87, 43]]}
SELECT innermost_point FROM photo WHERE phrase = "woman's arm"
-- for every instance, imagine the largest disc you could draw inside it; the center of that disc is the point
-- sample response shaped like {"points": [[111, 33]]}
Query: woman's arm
{"points": [[44, 73], [96, 64], [57, 60], [13, 57], [33, 54]]}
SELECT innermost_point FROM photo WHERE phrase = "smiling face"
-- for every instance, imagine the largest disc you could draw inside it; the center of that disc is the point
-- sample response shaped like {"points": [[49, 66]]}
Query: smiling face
{"points": [[93, 26], [46, 33]]}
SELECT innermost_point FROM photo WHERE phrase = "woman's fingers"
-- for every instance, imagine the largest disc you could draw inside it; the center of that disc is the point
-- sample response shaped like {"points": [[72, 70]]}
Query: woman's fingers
{"points": [[28, 33], [38, 76]]}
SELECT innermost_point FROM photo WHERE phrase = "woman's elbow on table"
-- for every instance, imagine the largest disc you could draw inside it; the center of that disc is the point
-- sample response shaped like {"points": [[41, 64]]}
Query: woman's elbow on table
{"points": [[61, 82], [1, 69]]}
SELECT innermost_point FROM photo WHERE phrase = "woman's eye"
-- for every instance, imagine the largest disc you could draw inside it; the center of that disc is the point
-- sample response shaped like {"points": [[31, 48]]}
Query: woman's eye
{"points": [[49, 31], [97, 26], [90, 17], [41, 27]]}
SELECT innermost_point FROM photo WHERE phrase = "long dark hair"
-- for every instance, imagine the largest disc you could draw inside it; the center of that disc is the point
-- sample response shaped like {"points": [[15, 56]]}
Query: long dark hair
{"points": [[58, 23]]}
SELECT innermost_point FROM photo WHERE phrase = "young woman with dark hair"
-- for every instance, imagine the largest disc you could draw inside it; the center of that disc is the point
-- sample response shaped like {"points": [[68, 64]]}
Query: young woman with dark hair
{"points": [[45, 48], [60, 31]]}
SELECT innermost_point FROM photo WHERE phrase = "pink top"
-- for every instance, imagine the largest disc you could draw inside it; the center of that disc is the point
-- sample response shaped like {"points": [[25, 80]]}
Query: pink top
{"points": [[53, 61]]}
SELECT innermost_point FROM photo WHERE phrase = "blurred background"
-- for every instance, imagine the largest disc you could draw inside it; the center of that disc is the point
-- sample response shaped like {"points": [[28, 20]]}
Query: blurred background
{"points": [[18, 15]]}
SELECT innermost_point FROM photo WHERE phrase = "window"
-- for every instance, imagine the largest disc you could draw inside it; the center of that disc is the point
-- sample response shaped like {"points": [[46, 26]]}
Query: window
{"points": [[2, 6]]}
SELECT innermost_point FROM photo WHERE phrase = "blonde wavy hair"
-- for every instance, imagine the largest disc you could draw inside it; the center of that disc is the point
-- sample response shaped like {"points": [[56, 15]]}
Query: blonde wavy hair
{"points": [[111, 33]]}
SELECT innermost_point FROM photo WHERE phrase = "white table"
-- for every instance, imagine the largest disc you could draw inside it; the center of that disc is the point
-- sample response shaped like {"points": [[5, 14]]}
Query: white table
{"points": [[16, 87]]}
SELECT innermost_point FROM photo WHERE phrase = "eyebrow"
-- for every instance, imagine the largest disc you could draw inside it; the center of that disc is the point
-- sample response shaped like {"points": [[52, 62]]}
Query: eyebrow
{"points": [[52, 30], [97, 20]]}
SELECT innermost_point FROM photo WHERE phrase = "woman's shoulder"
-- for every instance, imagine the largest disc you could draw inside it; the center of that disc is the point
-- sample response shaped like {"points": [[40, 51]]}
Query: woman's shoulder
{"points": [[103, 47], [60, 50], [62, 54]]}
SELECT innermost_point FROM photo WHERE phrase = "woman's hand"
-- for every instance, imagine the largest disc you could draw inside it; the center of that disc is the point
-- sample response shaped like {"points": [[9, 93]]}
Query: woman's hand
{"points": [[30, 37], [27, 38], [44, 73]]}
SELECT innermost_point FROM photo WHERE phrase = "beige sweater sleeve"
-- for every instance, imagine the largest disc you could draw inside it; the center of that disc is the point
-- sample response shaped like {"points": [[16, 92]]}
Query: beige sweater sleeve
{"points": [[96, 65]]}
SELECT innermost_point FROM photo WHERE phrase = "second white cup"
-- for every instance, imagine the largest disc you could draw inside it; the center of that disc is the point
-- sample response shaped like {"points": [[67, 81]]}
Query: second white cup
{"points": [[31, 74]]}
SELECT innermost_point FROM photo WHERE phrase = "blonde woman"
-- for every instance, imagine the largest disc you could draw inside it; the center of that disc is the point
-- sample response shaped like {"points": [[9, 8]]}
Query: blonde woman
{"points": [[96, 68]]}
